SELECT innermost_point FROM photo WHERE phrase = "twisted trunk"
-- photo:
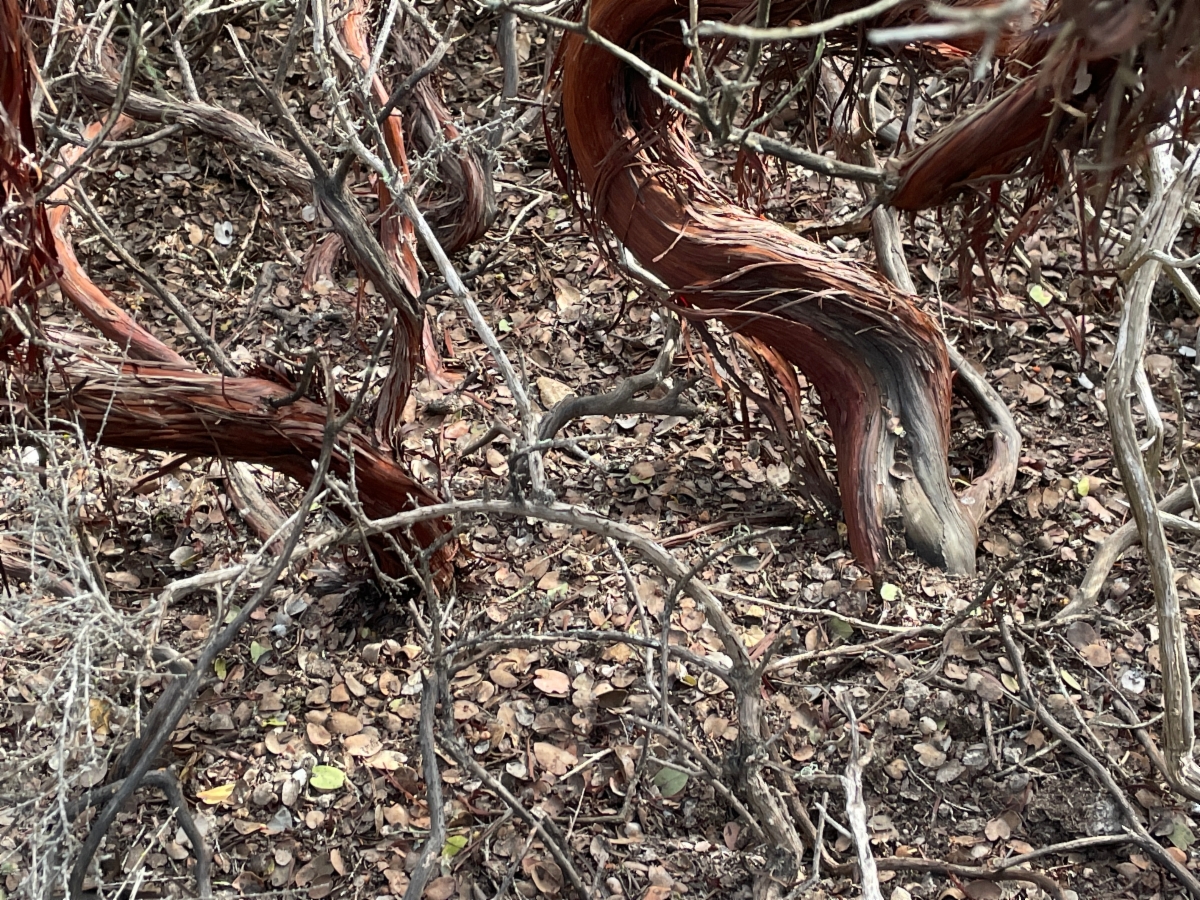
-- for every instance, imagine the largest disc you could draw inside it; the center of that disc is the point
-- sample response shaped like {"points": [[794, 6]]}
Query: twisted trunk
{"points": [[878, 362]]}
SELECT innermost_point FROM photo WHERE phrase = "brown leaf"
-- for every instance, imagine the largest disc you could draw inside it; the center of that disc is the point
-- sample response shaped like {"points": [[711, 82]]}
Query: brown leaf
{"points": [[1079, 634], [643, 471], [930, 756], [354, 685], [502, 675], [546, 874], [990, 688], [388, 760], [317, 735], [553, 759], [552, 391], [441, 888], [997, 830], [551, 681], [1034, 393], [1159, 366], [343, 724], [362, 745], [730, 834], [389, 683], [464, 709], [1096, 655], [123, 580], [981, 889]]}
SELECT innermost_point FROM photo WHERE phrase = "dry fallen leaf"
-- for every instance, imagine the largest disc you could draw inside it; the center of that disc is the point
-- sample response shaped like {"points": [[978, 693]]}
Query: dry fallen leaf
{"points": [[929, 756], [389, 683], [218, 794], [997, 830], [989, 688], [441, 888], [362, 745], [1096, 654], [554, 759], [981, 889], [546, 874], [552, 682], [343, 724], [503, 675], [388, 760], [553, 391], [317, 735]]}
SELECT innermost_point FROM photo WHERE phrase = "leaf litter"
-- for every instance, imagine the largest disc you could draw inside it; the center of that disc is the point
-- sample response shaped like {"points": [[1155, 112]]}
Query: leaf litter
{"points": [[303, 758]]}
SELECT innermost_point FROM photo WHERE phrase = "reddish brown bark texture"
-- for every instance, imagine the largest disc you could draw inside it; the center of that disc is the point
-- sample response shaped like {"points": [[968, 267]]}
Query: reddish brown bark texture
{"points": [[396, 232], [1068, 94], [163, 404], [139, 407], [26, 250], [878, 361]]}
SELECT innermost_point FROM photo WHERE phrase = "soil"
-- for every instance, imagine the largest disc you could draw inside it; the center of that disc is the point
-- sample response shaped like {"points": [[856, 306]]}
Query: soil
{"points": [[328, 674]]}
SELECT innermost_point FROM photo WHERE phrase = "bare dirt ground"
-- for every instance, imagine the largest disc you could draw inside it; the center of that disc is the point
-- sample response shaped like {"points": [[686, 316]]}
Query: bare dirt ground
{"points": [[300, 757]]}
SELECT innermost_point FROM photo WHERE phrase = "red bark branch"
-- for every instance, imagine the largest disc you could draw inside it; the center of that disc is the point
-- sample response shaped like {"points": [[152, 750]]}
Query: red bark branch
{"points": [[877, 360], [396, 232], [167, 405], [26, 248], [150, 407]]}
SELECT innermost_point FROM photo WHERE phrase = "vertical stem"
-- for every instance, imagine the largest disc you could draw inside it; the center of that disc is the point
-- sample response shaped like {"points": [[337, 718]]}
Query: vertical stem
{"points": [[1179, 735]]}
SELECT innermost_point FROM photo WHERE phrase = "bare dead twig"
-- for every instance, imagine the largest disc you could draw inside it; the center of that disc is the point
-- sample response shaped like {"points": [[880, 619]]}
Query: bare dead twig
{"points": [[302, 386], [856, 807], [696, 106], [257, 510], [166, 782], [907, 864], [796, 32], [1115, 545], [1179, 737], [291, 45], [542, 825], [709, 769], [434, 841], [506, 47], [621, 398], [1134, 830], [121, 97], [151, 744]]}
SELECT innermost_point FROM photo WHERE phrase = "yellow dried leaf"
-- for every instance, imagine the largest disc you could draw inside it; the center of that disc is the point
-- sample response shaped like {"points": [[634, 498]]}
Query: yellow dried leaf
{"points": [[218, 794]]}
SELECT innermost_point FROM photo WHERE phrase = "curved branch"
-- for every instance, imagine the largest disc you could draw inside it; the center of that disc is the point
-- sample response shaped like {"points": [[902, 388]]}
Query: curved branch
{"points": [[143, 407], [878, 362], [1115, 545]]}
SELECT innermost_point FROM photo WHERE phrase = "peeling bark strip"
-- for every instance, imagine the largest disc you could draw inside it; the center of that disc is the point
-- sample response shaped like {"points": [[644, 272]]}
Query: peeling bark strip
{"points": [[26, 249], [466, 211], [163, 403], [878, 362], [97, 307], [155, 407], [396, 232]]}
